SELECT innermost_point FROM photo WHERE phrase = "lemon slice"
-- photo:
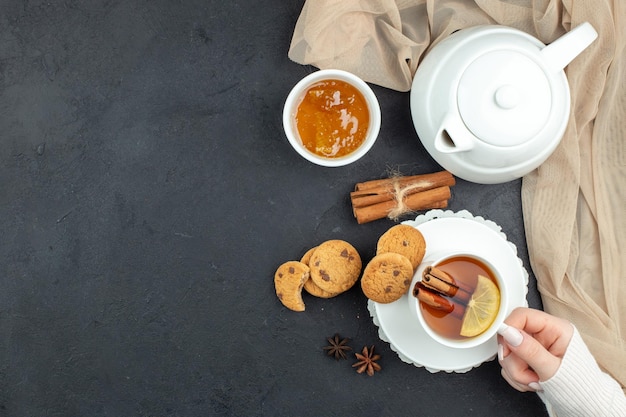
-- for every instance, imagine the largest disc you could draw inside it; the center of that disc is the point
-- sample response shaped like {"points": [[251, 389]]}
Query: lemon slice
{"points": [[482, 308]]}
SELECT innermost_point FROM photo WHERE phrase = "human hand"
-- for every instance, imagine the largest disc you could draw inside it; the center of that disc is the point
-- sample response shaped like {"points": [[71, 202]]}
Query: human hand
{"points": [[531, 345]]}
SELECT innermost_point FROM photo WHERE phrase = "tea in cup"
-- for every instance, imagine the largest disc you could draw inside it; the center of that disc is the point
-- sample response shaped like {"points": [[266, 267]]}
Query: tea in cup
{"points": [[461, 299]]}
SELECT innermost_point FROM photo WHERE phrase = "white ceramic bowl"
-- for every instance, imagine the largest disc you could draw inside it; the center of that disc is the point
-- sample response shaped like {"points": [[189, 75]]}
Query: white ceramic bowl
{"points": [[295, 97], [472, 341]]}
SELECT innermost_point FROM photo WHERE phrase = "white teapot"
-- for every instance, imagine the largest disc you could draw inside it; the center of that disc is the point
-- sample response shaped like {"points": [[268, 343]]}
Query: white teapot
{"points": [[491, 103]]}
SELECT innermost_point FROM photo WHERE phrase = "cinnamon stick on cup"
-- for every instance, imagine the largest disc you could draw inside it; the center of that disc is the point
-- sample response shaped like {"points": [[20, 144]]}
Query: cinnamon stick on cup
{"points": [[442, 282], [437, 301]]}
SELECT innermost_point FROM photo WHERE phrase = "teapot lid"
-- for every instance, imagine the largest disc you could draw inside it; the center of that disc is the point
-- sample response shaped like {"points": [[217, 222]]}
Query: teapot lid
{"points": [[504, 98]]}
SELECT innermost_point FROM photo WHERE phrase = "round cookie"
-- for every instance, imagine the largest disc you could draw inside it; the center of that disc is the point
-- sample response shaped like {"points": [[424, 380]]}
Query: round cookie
{"points": [[335, 266], [309, 285], [387, 277], [288, 282], [405, 240]]}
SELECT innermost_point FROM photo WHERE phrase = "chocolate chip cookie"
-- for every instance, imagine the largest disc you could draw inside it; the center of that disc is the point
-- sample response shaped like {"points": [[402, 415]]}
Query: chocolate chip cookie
{"points": [[387, 277], [404, 240], [335, 266]]}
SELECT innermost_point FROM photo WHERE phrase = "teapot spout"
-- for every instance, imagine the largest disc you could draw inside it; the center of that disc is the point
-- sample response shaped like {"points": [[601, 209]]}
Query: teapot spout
{"points": [[563, 50], [452, 136]]}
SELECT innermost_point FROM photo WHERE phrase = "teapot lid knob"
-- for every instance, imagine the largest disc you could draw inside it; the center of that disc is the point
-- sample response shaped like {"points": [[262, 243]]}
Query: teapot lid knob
{"points": [[504, 98], [507, 97]]}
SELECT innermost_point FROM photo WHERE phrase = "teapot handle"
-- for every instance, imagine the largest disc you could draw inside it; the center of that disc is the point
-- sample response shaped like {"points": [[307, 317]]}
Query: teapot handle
{"points": [[563, 50], [453, 136]]}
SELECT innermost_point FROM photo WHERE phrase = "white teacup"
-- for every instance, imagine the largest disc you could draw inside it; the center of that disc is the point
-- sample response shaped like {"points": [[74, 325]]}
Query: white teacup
{"points": [[468, 342]]}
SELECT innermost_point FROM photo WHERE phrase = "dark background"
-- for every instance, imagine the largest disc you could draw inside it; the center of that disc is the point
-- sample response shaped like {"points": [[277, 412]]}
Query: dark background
{"points": [[147, 195]]}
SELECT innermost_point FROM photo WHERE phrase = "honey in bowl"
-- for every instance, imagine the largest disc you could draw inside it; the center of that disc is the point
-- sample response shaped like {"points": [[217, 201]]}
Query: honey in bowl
{"points": [[332, 119], [459, 298]]}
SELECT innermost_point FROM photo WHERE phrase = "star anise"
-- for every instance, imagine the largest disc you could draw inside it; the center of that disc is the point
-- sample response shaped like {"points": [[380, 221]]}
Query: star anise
{"points": [[367, 361], [338, 347]]}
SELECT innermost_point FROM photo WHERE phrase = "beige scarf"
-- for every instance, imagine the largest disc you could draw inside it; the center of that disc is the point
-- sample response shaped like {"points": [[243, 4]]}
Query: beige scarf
{"points": [[574, 205]]}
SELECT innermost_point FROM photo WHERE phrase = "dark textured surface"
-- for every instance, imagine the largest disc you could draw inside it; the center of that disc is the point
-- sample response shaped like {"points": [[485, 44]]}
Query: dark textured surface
{"points": [[148, 194]]}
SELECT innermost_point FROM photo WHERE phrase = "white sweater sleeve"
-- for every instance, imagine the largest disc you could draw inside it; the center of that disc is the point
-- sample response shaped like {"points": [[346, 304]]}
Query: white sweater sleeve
{"points": [[580, 388]]}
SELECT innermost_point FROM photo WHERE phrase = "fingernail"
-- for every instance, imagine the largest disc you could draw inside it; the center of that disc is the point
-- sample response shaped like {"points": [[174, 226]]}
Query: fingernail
{"points": [[535, 386], [500, 352], [511, 335]]}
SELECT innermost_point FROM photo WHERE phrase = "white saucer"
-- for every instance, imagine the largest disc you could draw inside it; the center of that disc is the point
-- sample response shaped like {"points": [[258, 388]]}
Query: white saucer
{"points": [[444, 231]]}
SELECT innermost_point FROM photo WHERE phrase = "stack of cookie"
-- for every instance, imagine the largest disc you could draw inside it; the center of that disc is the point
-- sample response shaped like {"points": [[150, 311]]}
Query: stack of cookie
{"points": [[388, 276], [324, 271], [334, 267]]}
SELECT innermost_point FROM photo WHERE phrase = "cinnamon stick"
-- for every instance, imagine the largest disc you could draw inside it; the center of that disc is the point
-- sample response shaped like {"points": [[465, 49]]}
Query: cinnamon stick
{"points": [[425, 200], [431, 298], [436, 300], [443, 177], [443, 283], [377, 191]]}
